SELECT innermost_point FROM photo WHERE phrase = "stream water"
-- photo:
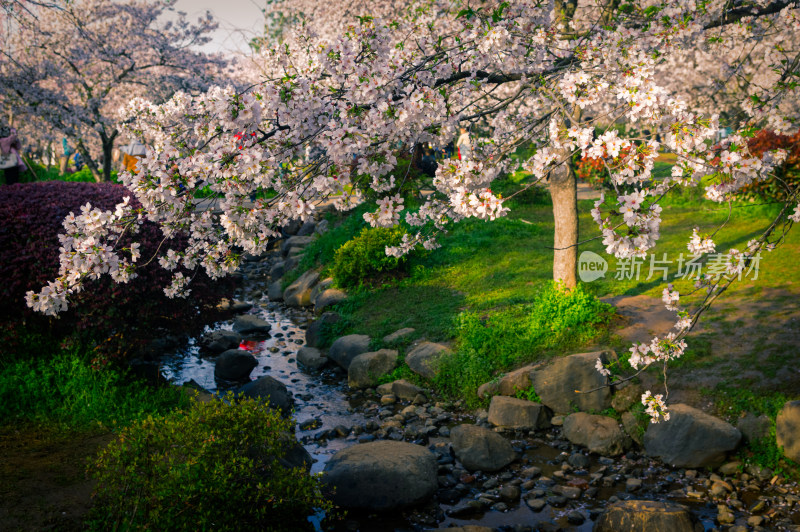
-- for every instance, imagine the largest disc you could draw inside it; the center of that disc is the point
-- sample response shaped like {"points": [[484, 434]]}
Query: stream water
{"points": [[324, 403]]}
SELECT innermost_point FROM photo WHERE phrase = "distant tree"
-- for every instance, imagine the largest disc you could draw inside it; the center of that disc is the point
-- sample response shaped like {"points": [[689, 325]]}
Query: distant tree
{"points": [[69, 66]]}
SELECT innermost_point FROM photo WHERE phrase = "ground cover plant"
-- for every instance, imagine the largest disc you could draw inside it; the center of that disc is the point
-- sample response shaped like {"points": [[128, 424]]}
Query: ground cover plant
{"points": [[213, 465]]}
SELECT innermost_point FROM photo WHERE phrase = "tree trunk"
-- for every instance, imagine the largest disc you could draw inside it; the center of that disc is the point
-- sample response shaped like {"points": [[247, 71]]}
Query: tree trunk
{"points": [[564, 191], [108, 147], [89, 162], [49, 154]]}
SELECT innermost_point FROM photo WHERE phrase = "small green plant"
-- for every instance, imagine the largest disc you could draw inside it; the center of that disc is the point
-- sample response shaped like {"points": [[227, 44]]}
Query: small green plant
{"points": [[529, 394], [213, 466], [363, 259]]}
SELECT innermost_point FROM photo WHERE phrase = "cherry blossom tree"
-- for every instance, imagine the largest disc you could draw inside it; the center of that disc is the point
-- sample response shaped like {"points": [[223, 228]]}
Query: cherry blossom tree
{"points": [[69, 66], [338, 94]]}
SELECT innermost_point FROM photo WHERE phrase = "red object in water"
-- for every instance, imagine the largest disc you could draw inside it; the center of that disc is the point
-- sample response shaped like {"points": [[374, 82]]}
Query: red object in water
{"points": [[248, 345]]}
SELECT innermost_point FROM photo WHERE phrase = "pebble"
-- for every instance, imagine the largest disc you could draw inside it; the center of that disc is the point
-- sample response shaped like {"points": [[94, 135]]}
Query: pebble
{"points": [[575, 517], [537, 505], [510, 493], [633, 484]]}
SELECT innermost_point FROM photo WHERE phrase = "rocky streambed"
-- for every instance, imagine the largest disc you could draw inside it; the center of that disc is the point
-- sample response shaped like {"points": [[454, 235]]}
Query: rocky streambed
{"points": [[402, 459]]}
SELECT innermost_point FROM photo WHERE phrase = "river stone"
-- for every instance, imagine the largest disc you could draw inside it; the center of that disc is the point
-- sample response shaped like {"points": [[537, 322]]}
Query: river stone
{"points": [[295, 242], [298, 294], [398, 335], [291, 228], [381, 475], [691, 438], [275, 290], [314, 331], [277, 270], [311, 358], [423, 359], [367, 368], [635, 516], [321, 286], [271, 391], [405, 391], [234, 365], [787, 430], [600, 434], [328, 298], [556, 383], [633, 427], [219, 341], [513, 413], [488, 389], [249, 324], [307, 228], [346, 348], [624, 398], [753, 427], [516, 380], [481, 449]]}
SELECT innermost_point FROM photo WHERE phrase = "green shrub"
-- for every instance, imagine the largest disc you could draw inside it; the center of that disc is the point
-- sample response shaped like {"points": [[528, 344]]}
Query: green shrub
{"points": [[66, 391], [363, 259], [214, 466], [496, 341]]}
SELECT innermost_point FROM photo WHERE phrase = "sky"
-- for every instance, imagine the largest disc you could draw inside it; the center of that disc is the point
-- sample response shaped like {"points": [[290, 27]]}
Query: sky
{"points": [[239, 20]]}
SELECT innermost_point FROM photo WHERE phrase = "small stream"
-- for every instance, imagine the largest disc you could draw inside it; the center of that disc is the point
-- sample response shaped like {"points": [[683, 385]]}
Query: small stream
{"points": [[325, 397]]}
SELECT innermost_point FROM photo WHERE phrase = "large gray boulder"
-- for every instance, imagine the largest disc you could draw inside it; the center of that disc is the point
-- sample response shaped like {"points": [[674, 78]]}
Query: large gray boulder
{"points": [[311, 358], [328, 298], [234, 365], [424, 359], [405, 390], [295, 242], [382, 475], [519, 414], [314, 331], [481, 449], [753, 427], [220, 341], [655, 516], [558, 383], [271, 391], [346, 348], [277, 270], [367, 368], [307, 228], [599, 434], [691, 438], [787, 430], [275, 290], [321, 286], [249, 324], [298, 294]]}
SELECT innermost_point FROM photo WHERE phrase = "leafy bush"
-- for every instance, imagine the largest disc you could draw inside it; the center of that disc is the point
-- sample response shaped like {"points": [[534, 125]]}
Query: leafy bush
{"points": [[31, 217], [363, 259], [789, 172], [493, 342], [214, 466], [66, 391]]}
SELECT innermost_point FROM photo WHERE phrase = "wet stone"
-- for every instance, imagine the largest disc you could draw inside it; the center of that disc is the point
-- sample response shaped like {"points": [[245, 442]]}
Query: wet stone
{"points": [[557, 501], [537, 505]]}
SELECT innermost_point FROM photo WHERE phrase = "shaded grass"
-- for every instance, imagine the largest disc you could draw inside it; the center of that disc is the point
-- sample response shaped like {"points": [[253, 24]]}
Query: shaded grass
{"points": [[66, 392]]}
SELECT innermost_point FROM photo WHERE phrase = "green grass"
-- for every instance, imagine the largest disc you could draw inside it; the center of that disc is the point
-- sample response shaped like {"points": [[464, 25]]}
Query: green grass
{"points": [[45, 174], [65, 391]]}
